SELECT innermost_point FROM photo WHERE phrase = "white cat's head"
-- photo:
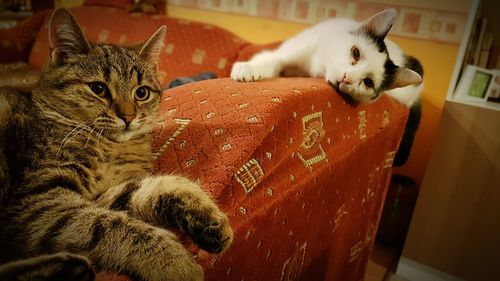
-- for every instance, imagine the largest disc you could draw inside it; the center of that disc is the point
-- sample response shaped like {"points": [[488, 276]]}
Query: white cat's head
{"points": [[365, 70]]}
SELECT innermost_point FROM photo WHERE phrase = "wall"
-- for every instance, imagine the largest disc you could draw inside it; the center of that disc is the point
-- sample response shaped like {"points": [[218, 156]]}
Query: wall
{"points": [[430, 30]]}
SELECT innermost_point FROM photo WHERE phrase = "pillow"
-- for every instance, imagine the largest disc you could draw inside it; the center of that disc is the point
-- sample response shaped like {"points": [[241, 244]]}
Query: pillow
{"points": [[16, 42], [191, 47], [122, 4], [18, 76], [143, 6]]}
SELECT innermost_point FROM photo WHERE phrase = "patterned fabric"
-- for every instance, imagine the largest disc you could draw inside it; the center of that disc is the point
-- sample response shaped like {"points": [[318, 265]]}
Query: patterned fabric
{"points": [[123, 4], [301, 174], [145, 6], [190, 48]]}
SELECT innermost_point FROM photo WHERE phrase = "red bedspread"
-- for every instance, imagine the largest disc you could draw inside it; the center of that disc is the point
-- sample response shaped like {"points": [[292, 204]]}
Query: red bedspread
{"points": [[301, 174]]}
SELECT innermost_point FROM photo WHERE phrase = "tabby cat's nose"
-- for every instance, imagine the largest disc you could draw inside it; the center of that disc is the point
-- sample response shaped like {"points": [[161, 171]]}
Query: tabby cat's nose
{"points": [[127, 118]]}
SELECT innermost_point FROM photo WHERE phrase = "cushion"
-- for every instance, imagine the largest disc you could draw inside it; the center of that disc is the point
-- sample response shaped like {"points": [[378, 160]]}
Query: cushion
{"points": [[15, 43], [18, 76], [190, 48]]}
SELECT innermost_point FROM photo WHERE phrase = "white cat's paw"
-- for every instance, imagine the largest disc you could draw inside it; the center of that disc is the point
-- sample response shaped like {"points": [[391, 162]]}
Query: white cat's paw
{"points": [[248, 72]]}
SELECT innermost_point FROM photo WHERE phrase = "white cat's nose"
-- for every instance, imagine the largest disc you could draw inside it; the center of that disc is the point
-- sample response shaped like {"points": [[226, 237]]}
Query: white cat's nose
{"points": [[346, 79]]}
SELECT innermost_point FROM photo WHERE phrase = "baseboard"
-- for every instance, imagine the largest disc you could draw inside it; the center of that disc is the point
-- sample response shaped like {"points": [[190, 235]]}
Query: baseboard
{"points": [[415, 271]]}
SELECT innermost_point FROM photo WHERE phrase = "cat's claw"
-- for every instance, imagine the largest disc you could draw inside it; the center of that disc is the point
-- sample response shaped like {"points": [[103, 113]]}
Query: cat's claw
{"points": [[247, 72], [212, 233], [186, 206], [66, 266]]}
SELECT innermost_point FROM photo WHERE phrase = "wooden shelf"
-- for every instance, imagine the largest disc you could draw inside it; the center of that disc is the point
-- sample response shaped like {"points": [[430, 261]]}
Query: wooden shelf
{"points": [[482, 104]]}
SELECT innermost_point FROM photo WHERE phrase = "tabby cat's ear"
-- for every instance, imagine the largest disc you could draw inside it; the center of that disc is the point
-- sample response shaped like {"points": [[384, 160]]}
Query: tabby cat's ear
{"points": [[65, 37], [150, 51], [380, 23], [405, 77]]}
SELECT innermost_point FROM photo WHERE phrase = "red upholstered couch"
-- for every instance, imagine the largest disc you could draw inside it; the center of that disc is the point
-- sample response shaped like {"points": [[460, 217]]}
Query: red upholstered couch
{"points": [[301, 173]]}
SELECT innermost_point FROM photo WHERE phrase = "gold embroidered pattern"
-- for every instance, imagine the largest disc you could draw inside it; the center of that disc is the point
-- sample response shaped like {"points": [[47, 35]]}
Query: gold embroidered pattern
{"points": [[222, 63], [199, 56], [161, 75], [293, 266], [103, 36], [355, 251], [370, 234], [183, 123], [123, 39], [387, 118], [338, 216], [169, 48], [389, 159], [250, 175], [310, 151], [362, 124]]}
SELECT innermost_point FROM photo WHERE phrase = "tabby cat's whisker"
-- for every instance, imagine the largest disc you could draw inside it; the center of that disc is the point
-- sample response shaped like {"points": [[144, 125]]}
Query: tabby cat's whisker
{"points": [[89, 135], [98, 137], [67, 137]]}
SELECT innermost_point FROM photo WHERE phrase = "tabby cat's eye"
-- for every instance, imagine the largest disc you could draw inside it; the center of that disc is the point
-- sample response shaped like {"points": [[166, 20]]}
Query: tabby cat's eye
{"points": [[142, 93], [368, 82], [355, 53], [99, 88]]}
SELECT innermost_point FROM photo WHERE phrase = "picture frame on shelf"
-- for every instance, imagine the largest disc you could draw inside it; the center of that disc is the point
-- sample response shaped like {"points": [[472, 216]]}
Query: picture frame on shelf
{"points": [[475, 84], [494, 89]]}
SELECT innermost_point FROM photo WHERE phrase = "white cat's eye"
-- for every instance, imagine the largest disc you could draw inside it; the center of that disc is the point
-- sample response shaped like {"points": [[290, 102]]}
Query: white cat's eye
{"points": [[99, 88], [368, 82], [355, 53], [142, 93]]}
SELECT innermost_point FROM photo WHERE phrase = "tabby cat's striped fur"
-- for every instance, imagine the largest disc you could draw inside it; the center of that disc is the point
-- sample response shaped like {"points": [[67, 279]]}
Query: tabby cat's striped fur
{"points": [[77, 151]]}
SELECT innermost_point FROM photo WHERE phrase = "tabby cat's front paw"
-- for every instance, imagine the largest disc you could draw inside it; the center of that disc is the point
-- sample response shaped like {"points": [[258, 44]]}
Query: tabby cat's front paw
{"points": [[65, 266], [185, 205], [210, 229], [76, 268]]}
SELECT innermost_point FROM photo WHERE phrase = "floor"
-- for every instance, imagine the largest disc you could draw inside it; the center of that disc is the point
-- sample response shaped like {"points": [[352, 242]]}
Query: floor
{"points": [[382, 264]]}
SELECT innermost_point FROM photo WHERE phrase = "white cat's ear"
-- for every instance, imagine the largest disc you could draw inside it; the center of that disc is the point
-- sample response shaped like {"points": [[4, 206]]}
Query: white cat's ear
{"points": [[150, 51], [65, 36], [380, 23], [405, 77]]}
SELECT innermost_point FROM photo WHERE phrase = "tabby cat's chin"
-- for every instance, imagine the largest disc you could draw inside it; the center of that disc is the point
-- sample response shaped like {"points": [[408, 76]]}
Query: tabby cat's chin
{"points": [[124, 136], [127, 134]]}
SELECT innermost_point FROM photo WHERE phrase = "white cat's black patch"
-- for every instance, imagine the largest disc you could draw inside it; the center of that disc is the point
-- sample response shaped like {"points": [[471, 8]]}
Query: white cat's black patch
{"points": [[376, 39], [390, 70], [414, 64]]}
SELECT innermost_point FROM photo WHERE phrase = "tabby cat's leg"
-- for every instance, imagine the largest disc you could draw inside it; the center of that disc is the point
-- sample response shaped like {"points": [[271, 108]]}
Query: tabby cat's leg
{"points": [[60, 266], [173, 201], [62, 220]]}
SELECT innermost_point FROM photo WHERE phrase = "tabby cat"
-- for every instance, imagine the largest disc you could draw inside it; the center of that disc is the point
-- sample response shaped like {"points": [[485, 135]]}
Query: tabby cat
{"points": [[79, 195]]}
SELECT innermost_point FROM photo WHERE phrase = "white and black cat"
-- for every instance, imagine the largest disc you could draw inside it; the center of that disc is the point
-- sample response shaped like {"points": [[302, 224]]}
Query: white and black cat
{"points": [[354, 57]]}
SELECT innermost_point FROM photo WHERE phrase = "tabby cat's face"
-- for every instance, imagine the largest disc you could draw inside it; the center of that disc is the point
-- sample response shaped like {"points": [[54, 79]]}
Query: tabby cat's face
{"points": [[112, 89]]}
